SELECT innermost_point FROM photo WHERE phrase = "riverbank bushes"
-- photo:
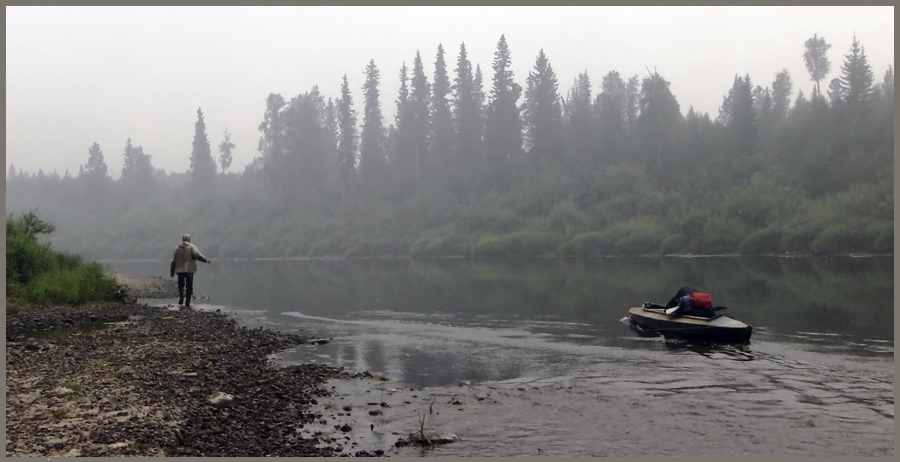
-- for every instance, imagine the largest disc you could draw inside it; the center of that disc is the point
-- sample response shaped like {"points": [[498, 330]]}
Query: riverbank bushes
{"points": [[35, 273]]}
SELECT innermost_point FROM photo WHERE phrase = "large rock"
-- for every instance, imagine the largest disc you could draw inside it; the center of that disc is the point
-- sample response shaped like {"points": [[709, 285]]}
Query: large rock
{"points": [[220, 398]]}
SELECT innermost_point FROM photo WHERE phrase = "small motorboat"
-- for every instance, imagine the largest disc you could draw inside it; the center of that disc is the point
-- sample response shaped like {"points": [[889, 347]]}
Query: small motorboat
{"points": [[718, 328]]}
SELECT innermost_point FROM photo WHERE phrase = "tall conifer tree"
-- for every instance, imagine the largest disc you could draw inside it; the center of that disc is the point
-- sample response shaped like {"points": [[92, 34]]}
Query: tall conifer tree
{"points": [[96, 169], [658, 122], [857, 81], [203, 167], [503, 126], [402, 160], [612, 113], [441, 118], [331, 128], [781, 95], [347, 137], [543, 114], [737, 113], [467, 117], [420, 120], [580, 123], [372, 162]]}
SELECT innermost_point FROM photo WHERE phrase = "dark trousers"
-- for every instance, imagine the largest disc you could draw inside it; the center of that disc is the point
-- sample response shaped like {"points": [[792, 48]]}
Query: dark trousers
{"points": [[185, 281]]}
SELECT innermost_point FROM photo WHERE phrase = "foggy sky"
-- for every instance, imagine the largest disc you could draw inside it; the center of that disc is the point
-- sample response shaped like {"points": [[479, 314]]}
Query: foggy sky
{"points": [[76, 75]]}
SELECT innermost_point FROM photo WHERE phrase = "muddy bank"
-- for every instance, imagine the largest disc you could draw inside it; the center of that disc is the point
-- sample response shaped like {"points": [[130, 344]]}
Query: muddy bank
{"points": [[122, 379]]}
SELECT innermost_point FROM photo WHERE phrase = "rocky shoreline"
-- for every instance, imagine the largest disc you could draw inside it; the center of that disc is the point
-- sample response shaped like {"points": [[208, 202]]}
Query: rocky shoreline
{"points": [[124, 379]]}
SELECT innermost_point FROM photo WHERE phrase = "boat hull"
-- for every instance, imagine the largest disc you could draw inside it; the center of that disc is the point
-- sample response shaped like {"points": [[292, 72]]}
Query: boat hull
{"points": [[718, 328]]}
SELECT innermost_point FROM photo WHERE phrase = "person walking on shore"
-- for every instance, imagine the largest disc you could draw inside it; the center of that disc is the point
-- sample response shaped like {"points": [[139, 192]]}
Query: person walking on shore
{"points": [[184, 266]]}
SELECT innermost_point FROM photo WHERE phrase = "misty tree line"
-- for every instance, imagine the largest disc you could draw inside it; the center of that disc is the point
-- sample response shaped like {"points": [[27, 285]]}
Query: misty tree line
{"points": [[468, 170]]}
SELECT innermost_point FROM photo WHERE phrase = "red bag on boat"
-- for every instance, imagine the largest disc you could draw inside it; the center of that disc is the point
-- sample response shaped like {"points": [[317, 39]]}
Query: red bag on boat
{"points": [[701, 301]]}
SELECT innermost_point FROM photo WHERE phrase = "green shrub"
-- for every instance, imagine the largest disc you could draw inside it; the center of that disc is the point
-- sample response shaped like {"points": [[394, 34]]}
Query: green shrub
{"points": [[798, 238], [567, 218], [68, 260], [763, 241], [638, 242], [839, 239], [329, 245], [585, 243], [881, 234], [517, 243], [673, 243], [373, 246], [491, 219], [37, 274], [26, 258], [721, 234], [443, 245]]}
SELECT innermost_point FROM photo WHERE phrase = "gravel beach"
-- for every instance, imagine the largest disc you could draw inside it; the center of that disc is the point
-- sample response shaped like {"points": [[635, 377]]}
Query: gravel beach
{"points": [[124, 379]]}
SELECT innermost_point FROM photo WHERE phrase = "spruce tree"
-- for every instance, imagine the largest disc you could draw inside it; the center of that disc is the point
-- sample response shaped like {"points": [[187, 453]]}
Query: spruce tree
{"points": [[503, 126], [203, 167], [658, 121], [347, 138], [580, 123], [372, 162], [304, 169], [441, 117], [128, 160], [480, 95], [632, 102], [331, 129], [466, 118], [739, 116], [96, 169], [420, 120], [611, 108], [857, 82], [887, 89], [137, 173], [95, 180], [271, 142], [542, 113], [781, 95], [402, 159]]}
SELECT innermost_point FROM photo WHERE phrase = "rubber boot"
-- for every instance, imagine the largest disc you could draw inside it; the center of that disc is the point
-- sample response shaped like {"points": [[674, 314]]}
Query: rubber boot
{"points": [[181, 297], [187, 300]]}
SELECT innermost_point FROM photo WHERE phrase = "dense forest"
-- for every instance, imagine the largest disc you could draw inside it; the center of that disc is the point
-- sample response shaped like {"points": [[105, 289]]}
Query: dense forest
{"points": [[480, 165]]}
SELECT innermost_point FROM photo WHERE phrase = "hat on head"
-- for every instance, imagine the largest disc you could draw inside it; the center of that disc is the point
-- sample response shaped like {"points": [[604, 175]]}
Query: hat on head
{"points": [[186, 237]]}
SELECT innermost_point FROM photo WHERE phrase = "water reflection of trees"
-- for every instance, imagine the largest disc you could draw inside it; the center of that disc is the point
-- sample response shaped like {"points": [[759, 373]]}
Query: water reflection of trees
{"points": [[782, 294]]}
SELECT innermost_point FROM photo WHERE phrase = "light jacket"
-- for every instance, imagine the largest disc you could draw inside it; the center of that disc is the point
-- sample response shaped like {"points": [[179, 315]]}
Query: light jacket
{"points": [[185, 256]]}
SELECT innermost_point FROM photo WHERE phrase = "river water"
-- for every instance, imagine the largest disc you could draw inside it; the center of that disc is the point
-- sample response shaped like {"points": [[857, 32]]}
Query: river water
{"points": [[534, 357]]}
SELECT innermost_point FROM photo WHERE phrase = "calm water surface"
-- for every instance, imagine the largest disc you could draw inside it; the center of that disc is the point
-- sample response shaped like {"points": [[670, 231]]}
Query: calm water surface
{"points": [[822, 347]]}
